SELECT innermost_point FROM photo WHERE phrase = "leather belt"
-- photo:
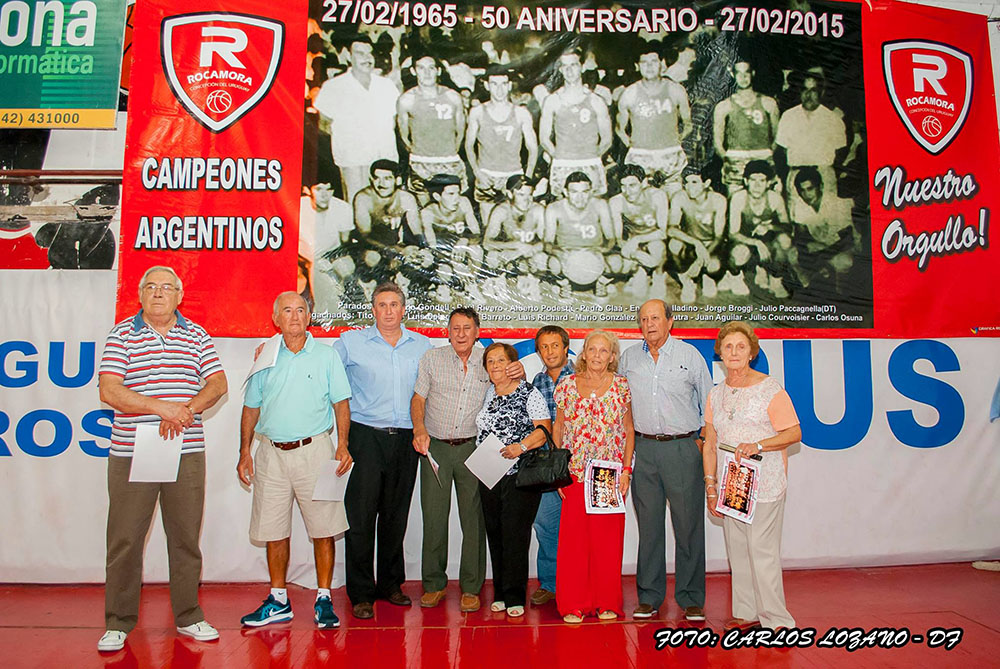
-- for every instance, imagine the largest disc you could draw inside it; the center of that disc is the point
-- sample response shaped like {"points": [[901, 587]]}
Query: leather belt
{"points": [[455, 442], [292, 445], [390, 430], [666, 437]]}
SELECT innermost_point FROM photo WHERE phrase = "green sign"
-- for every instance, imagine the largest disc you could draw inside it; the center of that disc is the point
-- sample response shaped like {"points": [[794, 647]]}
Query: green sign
{"points": [[60, 62]]}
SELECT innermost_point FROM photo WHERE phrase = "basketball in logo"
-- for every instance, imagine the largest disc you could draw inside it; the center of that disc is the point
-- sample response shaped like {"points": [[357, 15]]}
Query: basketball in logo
{"points": [[219, 101], [931, 126]]}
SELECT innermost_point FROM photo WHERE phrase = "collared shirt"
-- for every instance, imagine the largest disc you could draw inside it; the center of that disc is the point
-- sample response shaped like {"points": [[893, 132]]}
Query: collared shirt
{"points": [[547, 387], [296, 395], [382, 376], [454, 392], [811, 137], [668, 395], [363, 120], [170, 367]]}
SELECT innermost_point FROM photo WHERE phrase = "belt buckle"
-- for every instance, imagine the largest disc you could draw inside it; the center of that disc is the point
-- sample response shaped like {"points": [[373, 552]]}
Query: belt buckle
{"points": [[392, 430]]}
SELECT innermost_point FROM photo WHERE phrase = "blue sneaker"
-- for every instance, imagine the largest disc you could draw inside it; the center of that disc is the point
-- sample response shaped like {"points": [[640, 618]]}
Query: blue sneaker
{"points": [[325, 617], [268, 612]]}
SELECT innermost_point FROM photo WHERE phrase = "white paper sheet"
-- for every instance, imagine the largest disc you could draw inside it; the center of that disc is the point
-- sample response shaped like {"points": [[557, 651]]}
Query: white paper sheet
{"points": [[154, 459], [329, 486], [267, 358], [487, 464], [434, 466]]}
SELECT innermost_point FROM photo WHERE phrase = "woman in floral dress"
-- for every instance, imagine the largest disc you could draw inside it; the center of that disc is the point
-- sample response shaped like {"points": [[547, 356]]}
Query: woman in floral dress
{"points": [[594, 421]]}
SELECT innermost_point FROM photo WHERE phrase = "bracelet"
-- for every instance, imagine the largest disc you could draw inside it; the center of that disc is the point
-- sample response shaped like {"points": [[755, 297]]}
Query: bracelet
{"points": [[712, 496], [709, 478], [710, 487], [627, 470]]}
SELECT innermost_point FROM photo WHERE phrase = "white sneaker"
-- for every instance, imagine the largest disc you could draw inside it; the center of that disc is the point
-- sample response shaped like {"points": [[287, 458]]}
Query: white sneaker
{"points": [[708, 286], [761, 278], [111, 641], [778, 288], [687, 290], [738, 286], [200, 631]]}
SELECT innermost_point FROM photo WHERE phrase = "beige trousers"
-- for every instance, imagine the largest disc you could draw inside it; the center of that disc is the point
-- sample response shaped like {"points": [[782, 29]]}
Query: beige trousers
{"points": [[754, 552]]}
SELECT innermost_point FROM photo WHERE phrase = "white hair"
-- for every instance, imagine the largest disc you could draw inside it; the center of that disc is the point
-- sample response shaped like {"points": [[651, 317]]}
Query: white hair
{"points": [[274, 312], [161, 268]]}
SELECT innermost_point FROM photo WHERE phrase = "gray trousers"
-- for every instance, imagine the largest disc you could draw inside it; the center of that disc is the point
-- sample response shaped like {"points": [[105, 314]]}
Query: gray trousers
{"points": [[669, 472], [130, 512], [754, 552]]}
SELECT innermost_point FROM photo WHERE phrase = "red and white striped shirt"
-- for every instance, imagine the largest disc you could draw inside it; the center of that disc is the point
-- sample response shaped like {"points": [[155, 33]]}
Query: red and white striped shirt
{"points": [[171, 367]]}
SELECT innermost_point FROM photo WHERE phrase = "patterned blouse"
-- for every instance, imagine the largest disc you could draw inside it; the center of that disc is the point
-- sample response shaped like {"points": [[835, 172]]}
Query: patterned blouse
{"points": [[511, 417], [748, 415], [594, 427]]}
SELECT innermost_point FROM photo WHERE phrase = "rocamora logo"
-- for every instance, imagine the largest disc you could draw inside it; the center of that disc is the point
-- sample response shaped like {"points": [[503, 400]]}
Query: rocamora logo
{"points": [[220, 65], [930, 85]]}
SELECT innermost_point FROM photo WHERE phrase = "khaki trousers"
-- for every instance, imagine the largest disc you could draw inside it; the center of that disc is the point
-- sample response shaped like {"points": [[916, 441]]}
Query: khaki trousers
{"points": [[754, 552]]}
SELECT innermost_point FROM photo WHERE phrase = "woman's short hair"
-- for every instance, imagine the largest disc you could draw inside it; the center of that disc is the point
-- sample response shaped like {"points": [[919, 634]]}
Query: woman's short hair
{"points": [[507, 349], [581, 360], [745, 330]]}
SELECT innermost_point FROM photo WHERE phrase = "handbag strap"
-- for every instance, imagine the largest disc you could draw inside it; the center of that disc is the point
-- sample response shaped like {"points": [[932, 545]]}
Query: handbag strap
{"points": [[548, 437]]}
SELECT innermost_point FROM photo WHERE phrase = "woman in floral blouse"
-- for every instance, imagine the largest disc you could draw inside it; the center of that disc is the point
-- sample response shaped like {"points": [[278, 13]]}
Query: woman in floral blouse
{"points": [[512, 411], [594, 421], [753, 413]]}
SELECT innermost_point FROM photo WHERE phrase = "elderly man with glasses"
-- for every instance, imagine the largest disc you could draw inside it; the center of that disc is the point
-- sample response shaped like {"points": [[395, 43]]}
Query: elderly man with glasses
{"points": [[159, 369]]}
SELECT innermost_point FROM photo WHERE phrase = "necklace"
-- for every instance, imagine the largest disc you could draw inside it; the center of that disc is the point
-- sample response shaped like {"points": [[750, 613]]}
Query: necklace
{"points": [[731, 407]]}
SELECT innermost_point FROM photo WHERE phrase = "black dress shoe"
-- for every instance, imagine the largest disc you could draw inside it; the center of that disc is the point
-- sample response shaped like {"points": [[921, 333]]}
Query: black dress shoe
{"points": [[364, 610], [399, 599]]}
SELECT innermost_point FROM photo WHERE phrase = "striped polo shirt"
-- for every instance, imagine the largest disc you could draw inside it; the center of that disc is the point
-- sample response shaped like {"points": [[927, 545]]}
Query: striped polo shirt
{"points": [[170, 367]]}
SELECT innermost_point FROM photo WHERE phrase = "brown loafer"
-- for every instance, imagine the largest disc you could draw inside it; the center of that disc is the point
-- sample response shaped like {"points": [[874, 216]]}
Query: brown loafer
{"points": [[694, 613], [363, 610], [431, 599], [399, 599], [469, 602], [644, 611], [740, 623], [542, 596]]}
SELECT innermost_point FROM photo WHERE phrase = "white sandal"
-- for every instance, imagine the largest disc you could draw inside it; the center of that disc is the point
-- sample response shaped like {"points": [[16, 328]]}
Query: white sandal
{"points": [[515, 611], [497, 607]]}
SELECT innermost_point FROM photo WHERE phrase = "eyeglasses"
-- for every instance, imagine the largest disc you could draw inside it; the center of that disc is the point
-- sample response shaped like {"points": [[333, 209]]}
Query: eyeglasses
{"points": [[166, 288]]}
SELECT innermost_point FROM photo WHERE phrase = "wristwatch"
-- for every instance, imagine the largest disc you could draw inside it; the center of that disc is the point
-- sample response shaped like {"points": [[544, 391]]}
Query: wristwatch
{"points": [[524, 449], [760, 448]]}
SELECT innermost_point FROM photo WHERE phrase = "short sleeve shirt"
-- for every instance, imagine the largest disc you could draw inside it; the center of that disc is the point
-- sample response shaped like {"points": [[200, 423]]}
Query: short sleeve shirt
{"points": [[511, 417], [594, 427], [296, 395], [171, 367], [748, 415], [454, 391]]}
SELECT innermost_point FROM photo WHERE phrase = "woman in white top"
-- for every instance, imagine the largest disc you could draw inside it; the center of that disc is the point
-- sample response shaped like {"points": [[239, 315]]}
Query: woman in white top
{"points": [[751, 412]]}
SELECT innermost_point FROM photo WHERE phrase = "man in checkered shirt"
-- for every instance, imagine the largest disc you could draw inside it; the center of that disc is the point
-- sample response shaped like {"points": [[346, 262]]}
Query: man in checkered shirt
{"points": [[158, 369]]}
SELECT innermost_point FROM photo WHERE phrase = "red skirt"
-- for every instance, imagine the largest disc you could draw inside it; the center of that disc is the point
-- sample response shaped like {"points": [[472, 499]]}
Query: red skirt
{"points": [[589, 562]]}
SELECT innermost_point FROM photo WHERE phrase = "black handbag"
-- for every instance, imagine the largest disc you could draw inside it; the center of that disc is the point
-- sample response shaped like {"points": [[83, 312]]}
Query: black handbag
{"points": [[543, 469]]}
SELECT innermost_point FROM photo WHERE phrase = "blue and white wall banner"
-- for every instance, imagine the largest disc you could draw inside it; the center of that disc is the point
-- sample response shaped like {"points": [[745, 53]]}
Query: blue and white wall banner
{"points": [[897, 465]]}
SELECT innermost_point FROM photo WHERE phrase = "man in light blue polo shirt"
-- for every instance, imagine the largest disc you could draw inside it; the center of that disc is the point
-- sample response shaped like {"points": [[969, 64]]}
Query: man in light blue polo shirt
{"points": [[381, 363], [293, 406]]}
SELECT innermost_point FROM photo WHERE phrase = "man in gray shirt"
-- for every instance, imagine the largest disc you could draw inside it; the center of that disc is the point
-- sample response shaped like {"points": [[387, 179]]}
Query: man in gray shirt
{"points": [[670, 383]]}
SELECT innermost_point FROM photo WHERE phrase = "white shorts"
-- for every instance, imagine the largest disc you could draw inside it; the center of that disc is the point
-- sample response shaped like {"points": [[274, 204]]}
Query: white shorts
{"points": [[281, 476]]}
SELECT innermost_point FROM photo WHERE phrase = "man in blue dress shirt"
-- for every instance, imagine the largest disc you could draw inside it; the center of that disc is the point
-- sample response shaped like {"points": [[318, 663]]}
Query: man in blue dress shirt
{"points": [[381, 363], [293, 406], [670, 383]]}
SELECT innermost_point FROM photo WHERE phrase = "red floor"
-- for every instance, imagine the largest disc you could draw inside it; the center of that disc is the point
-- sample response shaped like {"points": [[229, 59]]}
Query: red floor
{"points": [[51, 626]]}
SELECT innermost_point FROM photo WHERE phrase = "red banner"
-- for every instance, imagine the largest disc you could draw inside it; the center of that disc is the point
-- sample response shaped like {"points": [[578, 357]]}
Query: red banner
{"points": [[933, 167], [213, 156], [755, 202]]}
